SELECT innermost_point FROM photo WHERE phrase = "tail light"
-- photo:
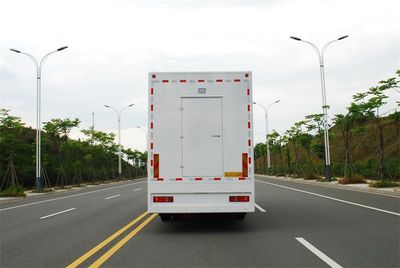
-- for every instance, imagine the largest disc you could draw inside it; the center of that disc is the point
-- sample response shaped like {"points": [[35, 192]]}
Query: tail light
{"points": [[163, 199], [239, 198]]}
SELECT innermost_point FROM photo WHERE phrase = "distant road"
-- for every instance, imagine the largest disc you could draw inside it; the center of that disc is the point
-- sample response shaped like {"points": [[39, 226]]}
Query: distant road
{"points": [[294, 225]]}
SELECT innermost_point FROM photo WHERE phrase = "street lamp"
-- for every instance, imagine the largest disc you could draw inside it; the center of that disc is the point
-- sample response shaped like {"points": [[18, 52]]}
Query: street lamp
{"points": [[39, 66], [145, 131], [266, 126], [119, 133], [328, 169]]}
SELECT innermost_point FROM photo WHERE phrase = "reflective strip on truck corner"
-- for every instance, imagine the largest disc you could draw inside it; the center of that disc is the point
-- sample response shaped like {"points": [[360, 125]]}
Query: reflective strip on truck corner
{"points": [[156, 166], [245, 165]]}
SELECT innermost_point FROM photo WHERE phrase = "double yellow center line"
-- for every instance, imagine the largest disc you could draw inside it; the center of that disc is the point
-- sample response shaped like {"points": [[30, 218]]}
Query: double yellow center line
{"points": [[117, 246]]}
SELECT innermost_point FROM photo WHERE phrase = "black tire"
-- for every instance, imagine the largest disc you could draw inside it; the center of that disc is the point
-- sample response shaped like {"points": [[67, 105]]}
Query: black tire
{"points": [[240, 216], [165, 217], [169, 217]]}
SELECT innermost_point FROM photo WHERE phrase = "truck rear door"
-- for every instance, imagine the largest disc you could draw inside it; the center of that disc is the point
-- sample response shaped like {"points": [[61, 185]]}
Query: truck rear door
{"points": [[202, 136]]}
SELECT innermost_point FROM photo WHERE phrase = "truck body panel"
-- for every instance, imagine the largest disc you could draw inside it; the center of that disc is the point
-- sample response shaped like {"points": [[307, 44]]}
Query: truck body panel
{"points": [[200, 142]]}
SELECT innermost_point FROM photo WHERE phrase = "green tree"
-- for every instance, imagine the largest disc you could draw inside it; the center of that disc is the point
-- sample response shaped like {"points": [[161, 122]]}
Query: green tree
{"points": [[143, 158], [293, 134], [101, 138], [10, 128], [17, 145], [275, 145], [61, 127], [286, 144], [369, 103], [305, 140], [346, 124], [57, 131], [259, 151], [315, 123]]}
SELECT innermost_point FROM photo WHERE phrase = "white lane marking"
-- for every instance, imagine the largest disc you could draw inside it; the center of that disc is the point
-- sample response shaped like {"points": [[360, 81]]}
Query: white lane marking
{"points": [[317, 252], [73, 195], [259, 208], [332, 198], [51, 215], [138, 189], [110, 197], [345, 187]]}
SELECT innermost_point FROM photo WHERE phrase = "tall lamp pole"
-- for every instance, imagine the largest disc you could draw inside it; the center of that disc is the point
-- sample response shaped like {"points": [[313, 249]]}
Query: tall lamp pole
{"points": [[145, 131], [266, 127], [119, 134], [39, 180], [328, 168]]}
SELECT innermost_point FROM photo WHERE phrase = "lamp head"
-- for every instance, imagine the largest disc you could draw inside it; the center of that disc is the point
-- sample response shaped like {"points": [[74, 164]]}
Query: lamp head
{"points": [[106, 106], [62, 48], [343, 37], [295, 38], [15, 50]]}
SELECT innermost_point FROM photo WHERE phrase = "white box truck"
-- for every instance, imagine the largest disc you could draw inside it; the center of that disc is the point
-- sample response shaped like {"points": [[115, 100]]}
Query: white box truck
{"points": [[200, 143]]}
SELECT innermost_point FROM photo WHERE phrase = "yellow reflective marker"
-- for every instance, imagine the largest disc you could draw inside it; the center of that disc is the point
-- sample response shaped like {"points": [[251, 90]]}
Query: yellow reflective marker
{"points": [[105, 242], [232, 174], [123, 241]]}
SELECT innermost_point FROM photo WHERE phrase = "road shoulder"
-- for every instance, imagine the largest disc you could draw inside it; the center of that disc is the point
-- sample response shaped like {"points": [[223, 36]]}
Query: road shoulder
{"points": [[392, 191]]}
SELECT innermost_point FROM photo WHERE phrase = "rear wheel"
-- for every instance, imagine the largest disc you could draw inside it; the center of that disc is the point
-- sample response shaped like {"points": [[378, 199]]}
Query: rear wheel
{"points": [[170, 217], [166, 217], [239, 216]]}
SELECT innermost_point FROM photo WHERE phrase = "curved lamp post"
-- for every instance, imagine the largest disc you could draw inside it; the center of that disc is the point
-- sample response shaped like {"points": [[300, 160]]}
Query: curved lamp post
{"points": [[39, 67], [119, 133], [266, 127], [145, 131], [328, 169]]}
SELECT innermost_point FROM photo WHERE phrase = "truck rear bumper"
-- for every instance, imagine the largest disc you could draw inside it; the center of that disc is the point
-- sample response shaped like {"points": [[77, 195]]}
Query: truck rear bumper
{"points": [[201, 203]]}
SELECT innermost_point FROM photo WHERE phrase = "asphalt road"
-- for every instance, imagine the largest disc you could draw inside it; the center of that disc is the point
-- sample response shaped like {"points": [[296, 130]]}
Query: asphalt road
{"points": [[295, 225]]}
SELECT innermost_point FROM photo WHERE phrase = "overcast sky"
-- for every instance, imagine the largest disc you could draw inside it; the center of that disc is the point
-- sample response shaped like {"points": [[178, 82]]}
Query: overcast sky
{"points": [[113, 44]]}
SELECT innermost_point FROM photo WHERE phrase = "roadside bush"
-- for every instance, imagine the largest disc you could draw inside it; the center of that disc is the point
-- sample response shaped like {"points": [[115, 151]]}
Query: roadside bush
{"points": [[13, 191], [383, 183], [310, 175], [353, 179]]}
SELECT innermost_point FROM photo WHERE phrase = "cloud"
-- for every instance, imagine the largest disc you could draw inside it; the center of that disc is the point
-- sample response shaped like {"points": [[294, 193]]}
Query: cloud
{"points": [[114, 44]]}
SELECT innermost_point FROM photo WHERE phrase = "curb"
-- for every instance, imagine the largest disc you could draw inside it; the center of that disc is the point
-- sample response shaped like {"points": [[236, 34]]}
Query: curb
{"points": [[394, 193]]}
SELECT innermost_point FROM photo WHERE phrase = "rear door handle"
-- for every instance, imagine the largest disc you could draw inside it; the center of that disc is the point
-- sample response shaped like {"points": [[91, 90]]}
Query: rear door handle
{"points": [[216, 136]]}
